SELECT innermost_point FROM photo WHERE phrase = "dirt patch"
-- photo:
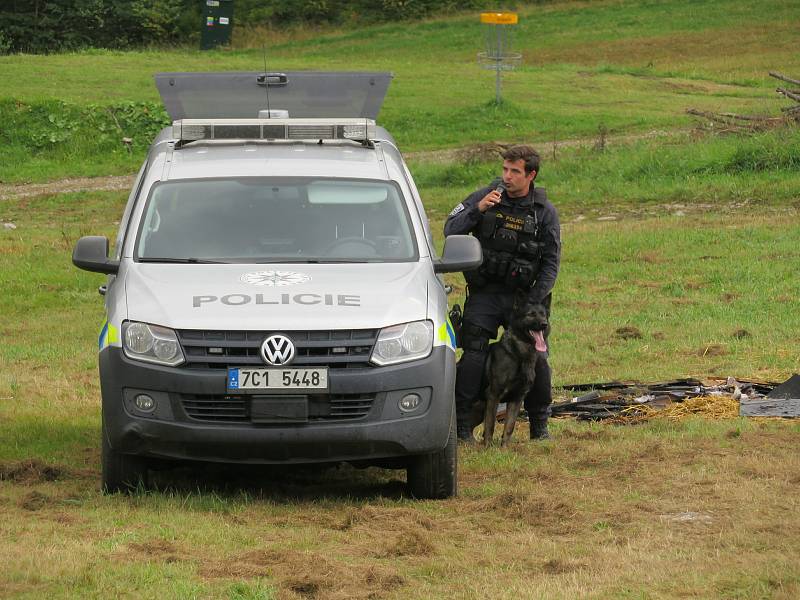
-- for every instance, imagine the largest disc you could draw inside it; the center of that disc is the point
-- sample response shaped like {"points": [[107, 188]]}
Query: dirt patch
{"points": [[556, 566], [233, 569], [410, 542], [67, 519], [35, 501], [541, 512], [712, 350], [31, 471], [628, 333], [305, 586], [653, 451], [383, 519], [653, 258], [307, 575], [159, 550], [482, 153]]}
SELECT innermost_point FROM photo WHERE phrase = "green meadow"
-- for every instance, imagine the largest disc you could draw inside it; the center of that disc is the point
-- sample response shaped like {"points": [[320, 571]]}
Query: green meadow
{"points": [[684, 232]]}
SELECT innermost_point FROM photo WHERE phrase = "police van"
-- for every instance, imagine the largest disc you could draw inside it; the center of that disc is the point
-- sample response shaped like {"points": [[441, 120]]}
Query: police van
{"points": [[274, 294]]}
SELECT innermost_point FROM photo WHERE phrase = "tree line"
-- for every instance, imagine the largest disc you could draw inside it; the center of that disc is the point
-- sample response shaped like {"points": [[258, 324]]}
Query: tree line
{"points": [[43, 26]]}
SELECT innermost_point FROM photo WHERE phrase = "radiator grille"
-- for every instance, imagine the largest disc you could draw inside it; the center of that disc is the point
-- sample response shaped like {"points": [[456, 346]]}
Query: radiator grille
{"points": [[336, 349], [236, 409]]}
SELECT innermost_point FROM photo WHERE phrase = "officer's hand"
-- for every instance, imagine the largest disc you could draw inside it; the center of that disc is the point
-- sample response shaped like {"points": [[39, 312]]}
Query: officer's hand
{"points": [[489, 200]]}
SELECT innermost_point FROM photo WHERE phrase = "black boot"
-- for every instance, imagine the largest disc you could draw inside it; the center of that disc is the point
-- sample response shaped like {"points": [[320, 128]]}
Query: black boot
{"points": [[464, 430], [539, 429]]}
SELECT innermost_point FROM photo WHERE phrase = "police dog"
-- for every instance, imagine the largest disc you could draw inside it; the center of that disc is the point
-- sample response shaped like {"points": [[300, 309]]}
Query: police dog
{"points": [[511, 367]]}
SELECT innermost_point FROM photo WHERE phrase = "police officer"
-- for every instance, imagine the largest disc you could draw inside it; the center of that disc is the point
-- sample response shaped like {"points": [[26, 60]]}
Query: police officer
{"points": [[521, 239]]}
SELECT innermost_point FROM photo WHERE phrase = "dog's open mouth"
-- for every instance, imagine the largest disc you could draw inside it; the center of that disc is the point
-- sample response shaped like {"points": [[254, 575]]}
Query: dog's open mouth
{"points": [[538, 338]]}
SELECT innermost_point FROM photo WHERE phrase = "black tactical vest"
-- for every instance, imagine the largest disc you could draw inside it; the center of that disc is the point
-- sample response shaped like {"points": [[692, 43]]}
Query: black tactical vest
{"points": [[510, 239]]}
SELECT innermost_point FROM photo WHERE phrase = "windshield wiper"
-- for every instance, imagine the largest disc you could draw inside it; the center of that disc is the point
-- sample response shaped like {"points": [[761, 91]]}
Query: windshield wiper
{"points": [[199, 261], [315, 261]]}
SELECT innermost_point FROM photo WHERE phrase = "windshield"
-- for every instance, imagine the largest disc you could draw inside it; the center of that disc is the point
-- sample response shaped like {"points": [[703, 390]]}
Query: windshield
{"points": [[263, 220]]}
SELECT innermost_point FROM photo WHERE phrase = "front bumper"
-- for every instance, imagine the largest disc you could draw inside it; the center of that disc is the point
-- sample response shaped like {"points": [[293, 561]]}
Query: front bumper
{"points": [[383, 432]]}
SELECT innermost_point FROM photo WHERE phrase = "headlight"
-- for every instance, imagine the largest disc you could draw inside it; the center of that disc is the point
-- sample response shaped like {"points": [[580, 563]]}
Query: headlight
{"points": [[401, 343], [151, 343]]}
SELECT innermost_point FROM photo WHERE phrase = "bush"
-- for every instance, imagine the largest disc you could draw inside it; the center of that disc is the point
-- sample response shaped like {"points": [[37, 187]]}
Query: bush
{"points": [[41, 26]]}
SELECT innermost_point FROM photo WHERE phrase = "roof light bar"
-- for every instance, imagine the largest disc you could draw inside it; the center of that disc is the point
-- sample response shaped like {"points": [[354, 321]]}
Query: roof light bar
{"points": [[188, 130]]}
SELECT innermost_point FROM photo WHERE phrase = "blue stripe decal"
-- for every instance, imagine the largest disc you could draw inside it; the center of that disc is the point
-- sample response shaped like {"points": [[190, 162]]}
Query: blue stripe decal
{"points": [[451, 333], [103, 332]]}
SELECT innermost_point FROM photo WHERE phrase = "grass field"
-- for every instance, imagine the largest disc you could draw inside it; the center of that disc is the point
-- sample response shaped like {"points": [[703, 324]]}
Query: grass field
{"points": [[690, 237], [628, 67]]}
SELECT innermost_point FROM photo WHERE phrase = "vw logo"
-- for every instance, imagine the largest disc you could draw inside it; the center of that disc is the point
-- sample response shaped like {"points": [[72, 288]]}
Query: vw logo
{"points": [[277, 350], [275, 278]]}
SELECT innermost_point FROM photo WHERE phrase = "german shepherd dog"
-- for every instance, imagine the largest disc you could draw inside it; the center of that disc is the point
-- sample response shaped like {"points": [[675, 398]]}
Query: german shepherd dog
{"points": [[511, 366]]}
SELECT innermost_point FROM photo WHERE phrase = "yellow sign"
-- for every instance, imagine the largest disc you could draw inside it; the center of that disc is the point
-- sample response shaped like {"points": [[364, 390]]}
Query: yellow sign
{"points": [[499, 18]]}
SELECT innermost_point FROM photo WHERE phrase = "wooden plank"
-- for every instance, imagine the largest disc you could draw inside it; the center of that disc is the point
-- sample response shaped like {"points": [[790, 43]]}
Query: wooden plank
{"points": [[770, 407]]}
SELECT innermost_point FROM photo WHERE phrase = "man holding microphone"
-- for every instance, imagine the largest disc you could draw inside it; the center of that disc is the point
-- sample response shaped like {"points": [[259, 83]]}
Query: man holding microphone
{"points": [[520, 235]]}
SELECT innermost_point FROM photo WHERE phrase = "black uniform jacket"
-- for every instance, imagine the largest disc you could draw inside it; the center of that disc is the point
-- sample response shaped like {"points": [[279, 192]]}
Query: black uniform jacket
{"points": [[466, 219]]}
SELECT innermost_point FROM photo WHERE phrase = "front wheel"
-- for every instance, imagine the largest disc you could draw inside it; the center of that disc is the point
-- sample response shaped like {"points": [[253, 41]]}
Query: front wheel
{"points": [[121, 472], [435, 476]]}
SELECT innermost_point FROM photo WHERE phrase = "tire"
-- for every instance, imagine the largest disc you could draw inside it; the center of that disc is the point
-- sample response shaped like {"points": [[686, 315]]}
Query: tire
{"points": [[435, 476], [121, 472]]}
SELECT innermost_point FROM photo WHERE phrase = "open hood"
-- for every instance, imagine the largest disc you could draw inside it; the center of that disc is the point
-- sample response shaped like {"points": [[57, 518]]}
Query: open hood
{"points": [[240, 95]]}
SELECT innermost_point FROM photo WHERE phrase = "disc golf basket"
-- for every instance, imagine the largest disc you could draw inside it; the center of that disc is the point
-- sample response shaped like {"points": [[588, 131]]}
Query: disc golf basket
{"points": [[499, 55]]}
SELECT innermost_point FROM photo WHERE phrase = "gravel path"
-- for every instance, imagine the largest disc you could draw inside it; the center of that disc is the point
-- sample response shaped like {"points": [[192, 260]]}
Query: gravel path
{"points": [[63, 186], [481, 151]]}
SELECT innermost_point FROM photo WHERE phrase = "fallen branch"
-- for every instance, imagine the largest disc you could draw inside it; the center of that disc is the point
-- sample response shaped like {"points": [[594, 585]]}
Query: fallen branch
{"points": [[750, 117], [788, 94], [732, 118], [116, 122], [708, 115], [783, 78]]}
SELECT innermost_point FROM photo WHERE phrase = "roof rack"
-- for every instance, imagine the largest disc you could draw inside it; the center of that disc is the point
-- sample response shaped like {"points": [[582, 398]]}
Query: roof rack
{"points": [[190, 130]]}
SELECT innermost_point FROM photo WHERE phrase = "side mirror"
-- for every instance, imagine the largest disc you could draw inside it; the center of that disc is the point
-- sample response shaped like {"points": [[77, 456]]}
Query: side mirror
{"points": [[461, 253], [91, 254]]}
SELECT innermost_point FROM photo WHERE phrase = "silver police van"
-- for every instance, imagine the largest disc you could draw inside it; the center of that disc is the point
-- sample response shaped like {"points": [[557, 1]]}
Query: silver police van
{"points": [[274, 294]]}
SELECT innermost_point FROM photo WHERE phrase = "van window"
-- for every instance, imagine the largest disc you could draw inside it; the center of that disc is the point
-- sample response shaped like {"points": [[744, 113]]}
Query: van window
{"points": [[262, 220]]}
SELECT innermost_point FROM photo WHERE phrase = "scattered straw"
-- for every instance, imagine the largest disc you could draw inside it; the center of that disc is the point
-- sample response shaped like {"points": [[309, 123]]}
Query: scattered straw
{"points": [[712, 407]]}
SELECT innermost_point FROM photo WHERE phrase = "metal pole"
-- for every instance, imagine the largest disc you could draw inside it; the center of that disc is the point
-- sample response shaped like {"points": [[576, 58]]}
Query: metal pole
{"points": [[497, 64]]}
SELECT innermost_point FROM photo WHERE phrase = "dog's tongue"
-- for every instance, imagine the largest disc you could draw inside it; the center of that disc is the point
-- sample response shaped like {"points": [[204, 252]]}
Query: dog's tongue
{"points": [[541, 345]]}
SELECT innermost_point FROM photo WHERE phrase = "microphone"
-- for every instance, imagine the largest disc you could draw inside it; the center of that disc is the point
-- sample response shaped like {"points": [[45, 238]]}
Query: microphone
{"points": [[501, 187]]}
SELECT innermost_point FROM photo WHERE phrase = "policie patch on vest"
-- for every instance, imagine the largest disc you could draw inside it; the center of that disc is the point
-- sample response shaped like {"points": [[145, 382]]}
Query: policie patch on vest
{"points": [[457, 210]]}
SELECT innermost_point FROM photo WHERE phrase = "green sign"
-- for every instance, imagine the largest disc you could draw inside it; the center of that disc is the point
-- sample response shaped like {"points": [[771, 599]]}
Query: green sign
{"points": [[217, 24]]}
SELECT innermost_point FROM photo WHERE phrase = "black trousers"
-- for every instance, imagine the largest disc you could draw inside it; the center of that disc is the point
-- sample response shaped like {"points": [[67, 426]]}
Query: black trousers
{"points": [[484, 312]]}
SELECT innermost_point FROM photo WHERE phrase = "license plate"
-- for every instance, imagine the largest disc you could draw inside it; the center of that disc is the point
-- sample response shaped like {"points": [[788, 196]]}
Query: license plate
{"points": [[258, 380]]}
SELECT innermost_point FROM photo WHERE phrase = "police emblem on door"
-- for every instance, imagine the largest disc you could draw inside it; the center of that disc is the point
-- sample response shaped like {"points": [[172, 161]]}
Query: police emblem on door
{"points": [[277, 350]]}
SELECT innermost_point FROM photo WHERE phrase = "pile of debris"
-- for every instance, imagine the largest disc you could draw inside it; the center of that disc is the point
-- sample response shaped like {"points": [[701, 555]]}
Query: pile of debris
{"points": [[793, 94], [716, 398], [731, 122]]}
